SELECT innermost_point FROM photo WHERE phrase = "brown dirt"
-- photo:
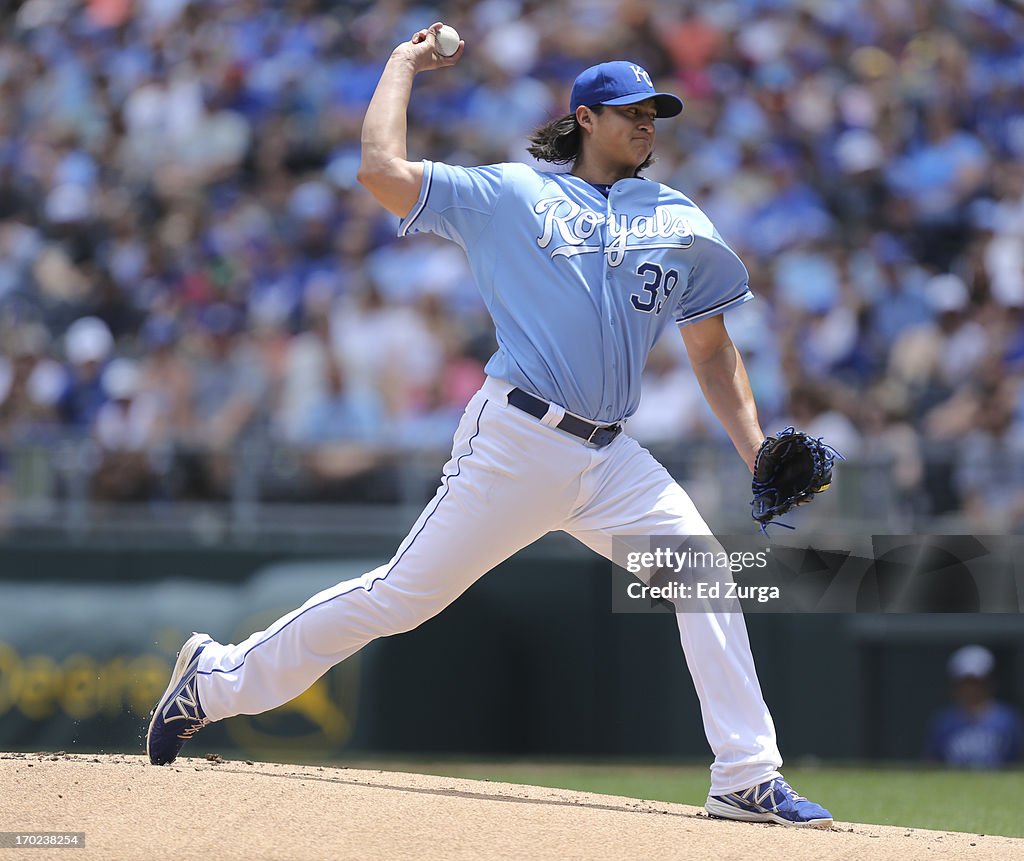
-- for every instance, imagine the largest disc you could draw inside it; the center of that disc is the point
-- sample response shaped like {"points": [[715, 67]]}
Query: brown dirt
{"points": [[217, 809]]}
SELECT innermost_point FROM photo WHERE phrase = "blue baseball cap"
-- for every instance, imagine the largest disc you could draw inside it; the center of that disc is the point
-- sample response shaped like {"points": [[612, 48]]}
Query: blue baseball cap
{"points": [[620, 83]]}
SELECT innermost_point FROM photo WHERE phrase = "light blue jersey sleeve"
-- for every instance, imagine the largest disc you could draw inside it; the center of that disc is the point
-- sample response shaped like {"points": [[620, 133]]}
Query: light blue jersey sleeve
{"points": [[456, 203], [717, 282]]}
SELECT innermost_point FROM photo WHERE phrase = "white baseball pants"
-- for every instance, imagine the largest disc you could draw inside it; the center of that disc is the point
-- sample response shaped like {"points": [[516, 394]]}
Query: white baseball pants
{"points": [[511, 479]]}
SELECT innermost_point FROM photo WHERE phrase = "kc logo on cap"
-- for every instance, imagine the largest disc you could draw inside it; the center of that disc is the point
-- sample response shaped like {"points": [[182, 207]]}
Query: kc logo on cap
{"points": [[641, 75], [620, 83]]}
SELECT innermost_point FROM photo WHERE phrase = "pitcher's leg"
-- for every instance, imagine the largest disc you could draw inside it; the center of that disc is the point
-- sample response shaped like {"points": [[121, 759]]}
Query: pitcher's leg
{"points": [[636, 496], [737, 721], [480, 516]]}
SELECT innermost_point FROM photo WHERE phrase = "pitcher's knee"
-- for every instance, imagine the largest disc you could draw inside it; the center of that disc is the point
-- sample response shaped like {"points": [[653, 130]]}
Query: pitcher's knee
{"points": [[394, 600], [395, 611]]}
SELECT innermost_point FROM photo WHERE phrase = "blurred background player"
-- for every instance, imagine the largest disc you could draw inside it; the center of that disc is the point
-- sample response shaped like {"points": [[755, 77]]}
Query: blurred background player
{"points": [[977, 731]]}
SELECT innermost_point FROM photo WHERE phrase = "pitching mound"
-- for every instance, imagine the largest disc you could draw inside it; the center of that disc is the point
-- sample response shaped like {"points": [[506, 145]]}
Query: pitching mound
{"points": [[219, 809]]}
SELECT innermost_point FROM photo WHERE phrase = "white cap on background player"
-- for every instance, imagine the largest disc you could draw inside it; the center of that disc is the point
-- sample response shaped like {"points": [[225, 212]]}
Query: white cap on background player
{"points": [[971, 662]]}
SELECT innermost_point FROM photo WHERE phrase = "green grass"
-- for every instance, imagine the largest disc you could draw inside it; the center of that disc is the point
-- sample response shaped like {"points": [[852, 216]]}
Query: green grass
{"points": [[976, 802]]}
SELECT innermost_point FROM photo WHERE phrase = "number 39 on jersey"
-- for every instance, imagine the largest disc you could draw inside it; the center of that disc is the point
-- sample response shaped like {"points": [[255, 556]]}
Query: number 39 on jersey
{"points": [[656, 287]]}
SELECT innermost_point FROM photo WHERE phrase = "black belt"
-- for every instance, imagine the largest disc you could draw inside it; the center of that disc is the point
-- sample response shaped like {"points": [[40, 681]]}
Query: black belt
{"points": [[594, 434]]}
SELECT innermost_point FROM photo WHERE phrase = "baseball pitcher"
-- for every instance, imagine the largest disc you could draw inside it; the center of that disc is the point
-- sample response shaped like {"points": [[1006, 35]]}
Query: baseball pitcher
{"points": [[581, 272]]}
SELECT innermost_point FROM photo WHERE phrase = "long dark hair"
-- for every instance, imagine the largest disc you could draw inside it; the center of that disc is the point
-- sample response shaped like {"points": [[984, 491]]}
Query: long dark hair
{"points": [[560, 141]]}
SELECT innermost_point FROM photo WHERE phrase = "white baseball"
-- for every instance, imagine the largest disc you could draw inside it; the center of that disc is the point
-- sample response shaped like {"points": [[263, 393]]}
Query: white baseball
{"points": [[447, 40]]}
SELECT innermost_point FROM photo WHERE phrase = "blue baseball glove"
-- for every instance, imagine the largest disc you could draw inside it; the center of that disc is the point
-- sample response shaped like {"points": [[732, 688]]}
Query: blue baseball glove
{"points": [[790, 469]]}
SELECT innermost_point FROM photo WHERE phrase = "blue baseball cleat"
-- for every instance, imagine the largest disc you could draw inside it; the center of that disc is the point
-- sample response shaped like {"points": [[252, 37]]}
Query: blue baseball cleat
{"points": [[178, 716], [771, 801]]}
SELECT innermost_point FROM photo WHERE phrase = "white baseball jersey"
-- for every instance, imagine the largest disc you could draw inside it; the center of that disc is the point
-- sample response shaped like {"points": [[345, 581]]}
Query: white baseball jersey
{"points": [[580, 286]]}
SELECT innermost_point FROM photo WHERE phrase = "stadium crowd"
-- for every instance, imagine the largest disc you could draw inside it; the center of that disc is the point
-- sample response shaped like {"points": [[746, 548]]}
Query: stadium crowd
{"points": [[187, 262]]}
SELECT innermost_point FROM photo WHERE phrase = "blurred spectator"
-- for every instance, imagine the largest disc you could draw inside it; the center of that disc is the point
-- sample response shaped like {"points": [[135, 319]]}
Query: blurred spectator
{"points": [[977, 731], [931, 360], [165, 377], [813, 409], [939, 177], [895, 291], [229, 387], [891, 438], [125, 430], [316, 404], [990, 471], [438, 402], [24, 349], [387, 351], [87, 345]]}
